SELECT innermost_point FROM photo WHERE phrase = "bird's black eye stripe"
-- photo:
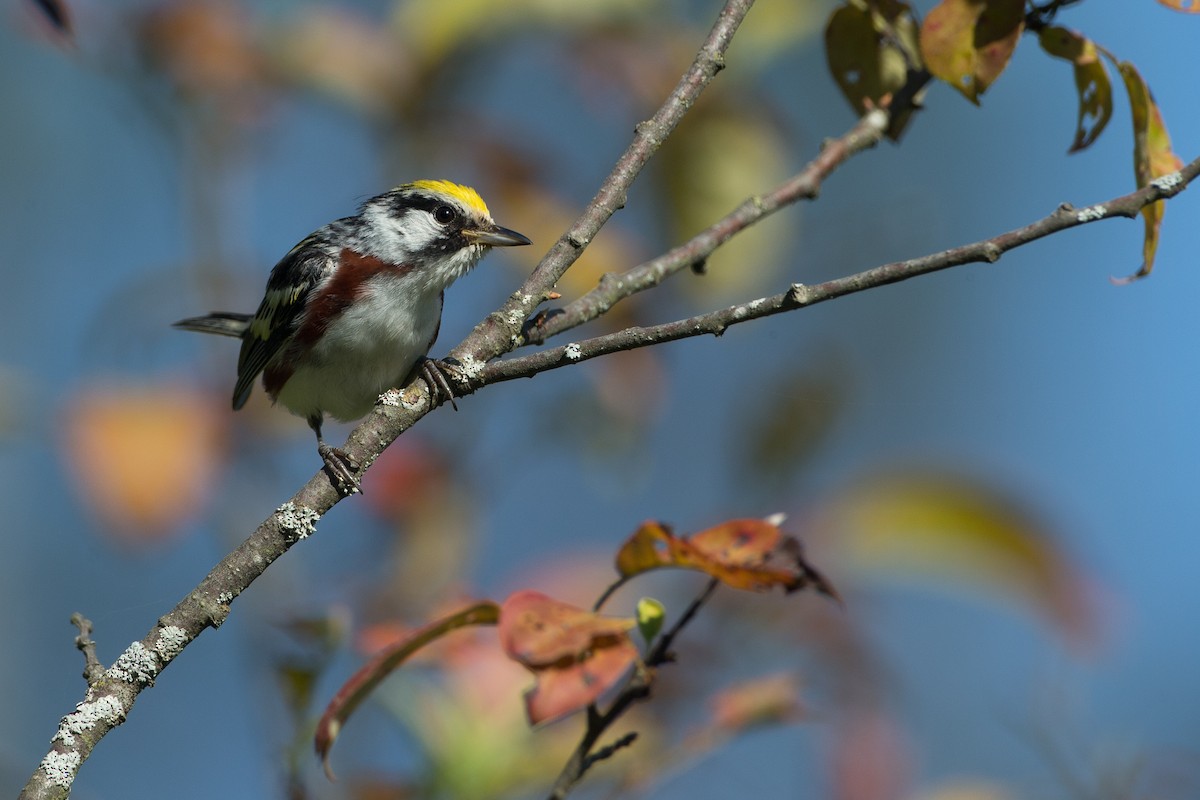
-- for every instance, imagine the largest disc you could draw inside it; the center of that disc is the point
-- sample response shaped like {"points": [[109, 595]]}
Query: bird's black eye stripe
{"points": [[445, 214]]}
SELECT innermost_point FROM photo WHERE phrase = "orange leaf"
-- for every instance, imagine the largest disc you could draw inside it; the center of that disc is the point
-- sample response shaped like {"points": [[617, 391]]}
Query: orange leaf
{"points": [[968, 43], [144, 456], [1186, 6], [747, 554], [575, 655], [371, 674], [1152, 157], [870, 46], [1091, 82]]}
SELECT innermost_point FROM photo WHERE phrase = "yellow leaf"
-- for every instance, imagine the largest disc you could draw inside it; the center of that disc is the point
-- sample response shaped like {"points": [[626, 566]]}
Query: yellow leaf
{"points": [[1152, 157], [968, 43], [941, 526], [1091, 82]]}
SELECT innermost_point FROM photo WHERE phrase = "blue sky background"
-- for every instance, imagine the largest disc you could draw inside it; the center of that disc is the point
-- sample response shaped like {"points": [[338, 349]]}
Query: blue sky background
{"points": [[1034, 375]]}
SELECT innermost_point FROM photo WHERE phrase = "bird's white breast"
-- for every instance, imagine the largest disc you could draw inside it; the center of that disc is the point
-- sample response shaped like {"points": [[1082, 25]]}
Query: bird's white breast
{"points": [[369, 348]]}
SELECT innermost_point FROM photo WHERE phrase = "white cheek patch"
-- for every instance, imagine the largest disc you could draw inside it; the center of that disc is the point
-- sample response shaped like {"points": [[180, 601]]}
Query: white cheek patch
{"points": [[398, 240]]}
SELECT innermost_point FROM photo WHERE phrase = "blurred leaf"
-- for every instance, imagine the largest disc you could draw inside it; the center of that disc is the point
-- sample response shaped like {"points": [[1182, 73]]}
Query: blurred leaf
{"points": [[210, 50], [971, 789], [931, 524], [788, 423], [434, 31], [775, 28], [1186, 6], [870, 757], [575, 655], [1091, 82], [870, 46], [470, 722], [1152, 157], [967, 43], [311, 51], [766, 700], [650, 616], [371, 674], [144, 457], [730, 151], [57, 14], [749, 554]]}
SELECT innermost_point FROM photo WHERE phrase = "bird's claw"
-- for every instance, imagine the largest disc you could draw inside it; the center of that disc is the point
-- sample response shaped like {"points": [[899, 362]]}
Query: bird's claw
{"points": [[436, 376], [341, 468]]}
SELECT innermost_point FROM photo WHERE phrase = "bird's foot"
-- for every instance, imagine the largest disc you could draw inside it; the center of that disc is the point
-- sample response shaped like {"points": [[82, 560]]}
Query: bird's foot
{"points": [[437, 377], [341, 468]]}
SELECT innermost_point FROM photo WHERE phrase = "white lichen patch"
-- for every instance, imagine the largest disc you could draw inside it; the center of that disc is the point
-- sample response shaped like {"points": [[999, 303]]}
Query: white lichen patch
{"points": [[1168, 181], [300, 521], [60, 768], [573, 352], [171, 640], [470, 367], [136, 665], [106, 709], [392, 397], [1091, 213], [225, 598]]}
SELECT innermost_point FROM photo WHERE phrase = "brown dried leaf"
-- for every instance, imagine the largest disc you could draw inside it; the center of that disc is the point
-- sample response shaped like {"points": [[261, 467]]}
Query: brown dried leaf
{"points": [[746, 554], [1091, 82], [968, 43]]}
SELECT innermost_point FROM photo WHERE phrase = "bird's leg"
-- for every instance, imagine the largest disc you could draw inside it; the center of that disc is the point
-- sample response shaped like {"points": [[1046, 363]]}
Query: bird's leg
{"points": [[434, 373], [338, 463]]}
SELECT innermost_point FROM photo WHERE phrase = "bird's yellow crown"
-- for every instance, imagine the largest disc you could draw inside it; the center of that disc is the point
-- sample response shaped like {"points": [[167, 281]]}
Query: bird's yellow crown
{"points": [[464, 194]]}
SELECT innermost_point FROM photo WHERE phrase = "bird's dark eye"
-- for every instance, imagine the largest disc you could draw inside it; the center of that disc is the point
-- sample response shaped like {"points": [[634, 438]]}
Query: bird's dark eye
{"points": [[445, 215]]}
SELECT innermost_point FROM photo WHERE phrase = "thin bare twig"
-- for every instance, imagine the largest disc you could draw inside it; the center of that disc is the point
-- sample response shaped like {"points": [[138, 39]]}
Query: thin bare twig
{"points": [[804, 185], [638, 688], [800, 296], [93, 670]]}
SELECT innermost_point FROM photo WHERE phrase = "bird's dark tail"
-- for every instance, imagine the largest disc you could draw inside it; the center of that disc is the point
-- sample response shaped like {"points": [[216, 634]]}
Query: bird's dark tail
{"points": [[220, 322]]}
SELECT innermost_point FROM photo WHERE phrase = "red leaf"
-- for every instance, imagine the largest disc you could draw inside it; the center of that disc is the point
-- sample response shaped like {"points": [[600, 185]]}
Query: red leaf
{"points": [[575, 655]]}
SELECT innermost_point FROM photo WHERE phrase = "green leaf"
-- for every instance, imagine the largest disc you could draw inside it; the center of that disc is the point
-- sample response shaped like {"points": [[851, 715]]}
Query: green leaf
{"points": [[650, 616]]}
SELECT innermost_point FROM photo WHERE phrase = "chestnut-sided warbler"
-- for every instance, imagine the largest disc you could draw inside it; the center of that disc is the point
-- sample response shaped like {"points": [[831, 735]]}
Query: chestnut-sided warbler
{"points": [[351, 310]]}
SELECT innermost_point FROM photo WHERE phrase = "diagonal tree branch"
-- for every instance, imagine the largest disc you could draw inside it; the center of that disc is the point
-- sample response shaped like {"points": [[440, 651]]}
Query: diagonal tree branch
{"points": [[109, 699], [800, 296]]}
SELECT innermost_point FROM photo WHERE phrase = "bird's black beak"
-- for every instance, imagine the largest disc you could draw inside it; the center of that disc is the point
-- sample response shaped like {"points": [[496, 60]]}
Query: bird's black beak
{"points": [[495, 236]]}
